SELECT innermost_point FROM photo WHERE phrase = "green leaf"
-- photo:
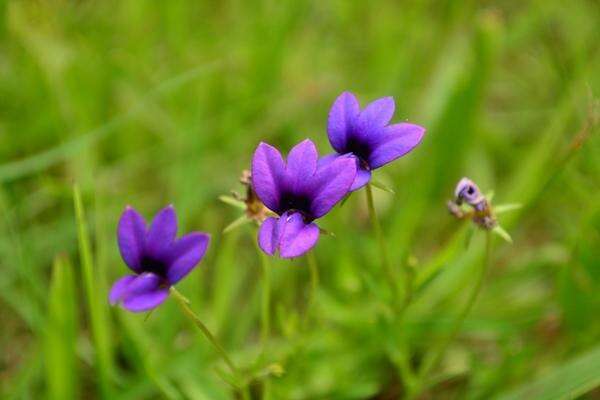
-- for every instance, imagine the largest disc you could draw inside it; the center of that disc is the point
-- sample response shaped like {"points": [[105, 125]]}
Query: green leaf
{"points": [[60, 334], [568, 381], [241, 221], [469, 236], [498, 230], [345, 199], [233, 202], [502, 208], [381, 186], [97, 304]]}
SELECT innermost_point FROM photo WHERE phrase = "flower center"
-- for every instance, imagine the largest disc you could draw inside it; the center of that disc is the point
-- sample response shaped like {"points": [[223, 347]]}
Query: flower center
{"points": [[360, 149], [158, 267], [294, 202]]}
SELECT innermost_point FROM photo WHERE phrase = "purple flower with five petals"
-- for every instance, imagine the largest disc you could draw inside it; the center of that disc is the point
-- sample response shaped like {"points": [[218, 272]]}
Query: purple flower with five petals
{"points": [[299, 191], [158, 259], [366, 136]]}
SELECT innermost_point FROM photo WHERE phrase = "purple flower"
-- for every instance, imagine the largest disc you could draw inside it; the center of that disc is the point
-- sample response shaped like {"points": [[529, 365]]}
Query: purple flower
{"points": [[157, 258], [299, 191], [366, 135], [467, 191]]}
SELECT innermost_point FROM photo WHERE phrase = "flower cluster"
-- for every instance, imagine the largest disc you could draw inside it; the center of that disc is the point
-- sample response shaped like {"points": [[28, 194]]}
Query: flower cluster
{"points": [[306, 187], [285, 197]]}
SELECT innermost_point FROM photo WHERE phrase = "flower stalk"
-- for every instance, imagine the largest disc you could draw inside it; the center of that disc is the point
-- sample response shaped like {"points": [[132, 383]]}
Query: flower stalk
{"points": [[265, 329], [313, 270], [184, 304], [385, 260]]}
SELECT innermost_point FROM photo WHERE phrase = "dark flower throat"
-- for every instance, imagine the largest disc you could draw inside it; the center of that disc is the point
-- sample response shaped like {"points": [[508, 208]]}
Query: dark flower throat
{"points": [[294, 202], [155, 266], [359, 149]]}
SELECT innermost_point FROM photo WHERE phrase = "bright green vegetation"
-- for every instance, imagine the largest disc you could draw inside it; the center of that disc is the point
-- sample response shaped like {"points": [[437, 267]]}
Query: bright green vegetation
{"points": [[155, 102]]}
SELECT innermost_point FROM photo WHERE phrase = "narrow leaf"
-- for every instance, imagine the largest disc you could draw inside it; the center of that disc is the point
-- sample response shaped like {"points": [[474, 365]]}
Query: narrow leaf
{"points": [[568, 381], [469, 236], [241, 221], [502, 208], [233, 202], [60, 334], [379, 185], [97, 303], [498, 230]]}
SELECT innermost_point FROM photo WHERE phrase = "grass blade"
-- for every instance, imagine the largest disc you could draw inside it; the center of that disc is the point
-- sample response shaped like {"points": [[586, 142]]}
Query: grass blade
{"points": [[568, 381], [96, 302], [61, 334]]}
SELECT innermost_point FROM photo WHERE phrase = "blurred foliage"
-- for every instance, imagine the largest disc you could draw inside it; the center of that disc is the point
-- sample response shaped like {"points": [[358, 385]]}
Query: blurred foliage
{"points": [[148, 103]]}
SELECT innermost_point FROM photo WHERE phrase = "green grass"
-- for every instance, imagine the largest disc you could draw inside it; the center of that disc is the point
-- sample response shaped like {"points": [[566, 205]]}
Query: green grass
{"points": [[149, 103]]}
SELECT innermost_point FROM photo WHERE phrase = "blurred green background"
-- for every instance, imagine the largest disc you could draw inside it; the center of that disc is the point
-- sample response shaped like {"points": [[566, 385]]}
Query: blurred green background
{"points": [[149, 103]]}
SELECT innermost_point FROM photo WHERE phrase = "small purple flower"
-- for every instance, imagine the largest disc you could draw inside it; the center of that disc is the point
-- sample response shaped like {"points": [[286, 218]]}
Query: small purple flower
{"points": [[366, 136], [299, 191], [467, 191], [158, 259]]}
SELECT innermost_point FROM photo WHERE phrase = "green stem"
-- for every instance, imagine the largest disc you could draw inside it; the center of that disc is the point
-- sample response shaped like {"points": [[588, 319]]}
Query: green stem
{"points": [[314, 276], [266, 299], [184, 303], [265, 329], [438, 353], [265, 315], [313, 271], [380, 239]]}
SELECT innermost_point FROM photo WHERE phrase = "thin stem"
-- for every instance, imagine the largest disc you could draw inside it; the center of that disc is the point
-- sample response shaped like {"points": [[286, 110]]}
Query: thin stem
{"points": [[313, 271], [380, 239], [438, 353], [314, 276], [265, 329], [184, 304]]}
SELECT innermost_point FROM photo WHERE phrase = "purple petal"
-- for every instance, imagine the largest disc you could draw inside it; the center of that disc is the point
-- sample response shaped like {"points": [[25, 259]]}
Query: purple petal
{"points": [[268, 236], [342, 117], [467, 190], [331, 183], [301, 163], [144, 293], [146, 301], [378, 113], [398, 140], [130, 236], [363, 176], [297, 237], [119, 288], [328, 159], [267, 172], [162, 232], [186, 253], [289, 234]]}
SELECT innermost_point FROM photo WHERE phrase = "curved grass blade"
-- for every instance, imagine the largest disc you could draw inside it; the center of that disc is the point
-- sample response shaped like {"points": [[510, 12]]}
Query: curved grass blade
{"points": [[96, 301], [568, 381]]}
